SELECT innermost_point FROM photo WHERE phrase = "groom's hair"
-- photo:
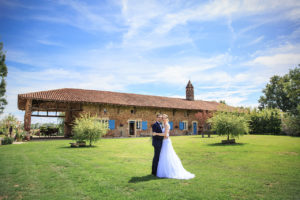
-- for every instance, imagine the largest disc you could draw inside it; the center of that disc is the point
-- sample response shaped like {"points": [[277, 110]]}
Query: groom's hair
{"points": [[159, 115]]}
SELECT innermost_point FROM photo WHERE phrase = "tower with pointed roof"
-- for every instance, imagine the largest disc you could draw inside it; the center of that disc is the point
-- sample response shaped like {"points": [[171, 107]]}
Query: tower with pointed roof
{"points": [[189, 91]]}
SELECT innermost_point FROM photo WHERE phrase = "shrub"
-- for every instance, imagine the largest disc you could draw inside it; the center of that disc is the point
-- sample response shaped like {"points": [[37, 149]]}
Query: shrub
{"points": [[266, 121], [43, 130], [19, 135], [89, 128], [291, 123], [7, 140], [230, 124]]}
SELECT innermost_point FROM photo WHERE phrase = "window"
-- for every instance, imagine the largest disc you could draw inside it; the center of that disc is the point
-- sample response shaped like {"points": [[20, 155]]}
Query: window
{"points": [[105, 111], [138, 124], [174, 112], [183, 125], [103, 120], [133, 111]]}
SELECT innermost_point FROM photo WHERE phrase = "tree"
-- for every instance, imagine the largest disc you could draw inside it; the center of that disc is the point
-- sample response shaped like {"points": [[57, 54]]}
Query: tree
{"points": [[291, 123], [87, 127], [3, 74], [231, 124], [282, 92], [266, 121], [222, 101], [293, 89], [7, 121], [202, 117]]}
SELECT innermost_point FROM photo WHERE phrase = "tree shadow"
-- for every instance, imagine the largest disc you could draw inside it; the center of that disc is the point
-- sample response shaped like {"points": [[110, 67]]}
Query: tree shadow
{"points": [[203, 137], [137, 179], [69, 147], [220, 144]]}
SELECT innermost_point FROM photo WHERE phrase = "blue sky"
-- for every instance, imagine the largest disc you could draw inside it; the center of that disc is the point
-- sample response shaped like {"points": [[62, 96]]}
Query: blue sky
{"points": [[228, 49]]}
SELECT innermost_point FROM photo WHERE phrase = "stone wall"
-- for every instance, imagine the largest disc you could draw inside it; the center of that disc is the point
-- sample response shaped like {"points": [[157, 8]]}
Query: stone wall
{"points": [[123, 114]]}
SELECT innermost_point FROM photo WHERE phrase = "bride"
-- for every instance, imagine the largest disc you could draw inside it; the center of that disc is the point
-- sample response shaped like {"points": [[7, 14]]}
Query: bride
{"points": [[169, 165]]}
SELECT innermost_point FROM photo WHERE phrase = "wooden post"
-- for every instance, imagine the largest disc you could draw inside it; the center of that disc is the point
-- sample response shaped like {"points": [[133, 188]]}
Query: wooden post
{"points": [[68, 127], [27, 117], [68, 121]]}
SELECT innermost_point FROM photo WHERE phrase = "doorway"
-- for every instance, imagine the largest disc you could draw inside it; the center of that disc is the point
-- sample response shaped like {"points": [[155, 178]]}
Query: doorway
{"points": [[195, 128], [131, 127]]}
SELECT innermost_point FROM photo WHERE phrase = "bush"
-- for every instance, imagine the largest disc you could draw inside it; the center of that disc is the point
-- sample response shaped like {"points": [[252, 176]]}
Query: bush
{"points": [[18, 135], [291, 123], [230, 124], [88, 128], [43, 130], [7, 140], [266, 121]]}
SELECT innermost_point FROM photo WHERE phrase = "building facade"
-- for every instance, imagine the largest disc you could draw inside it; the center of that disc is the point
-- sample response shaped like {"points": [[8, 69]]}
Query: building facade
{"points": [[128, 115]]}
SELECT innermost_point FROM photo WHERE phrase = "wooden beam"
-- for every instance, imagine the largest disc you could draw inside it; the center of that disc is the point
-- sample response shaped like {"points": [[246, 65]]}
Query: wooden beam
{"points": [[53, 110], [47, 116]]}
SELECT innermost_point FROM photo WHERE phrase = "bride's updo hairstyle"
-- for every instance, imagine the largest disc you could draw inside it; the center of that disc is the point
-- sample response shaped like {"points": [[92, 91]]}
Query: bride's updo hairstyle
{"points": [[166, 116]]}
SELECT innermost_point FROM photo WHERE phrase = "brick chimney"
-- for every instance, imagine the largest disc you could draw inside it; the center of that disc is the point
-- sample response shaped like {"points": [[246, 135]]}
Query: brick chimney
{"points": [[189, 91]]}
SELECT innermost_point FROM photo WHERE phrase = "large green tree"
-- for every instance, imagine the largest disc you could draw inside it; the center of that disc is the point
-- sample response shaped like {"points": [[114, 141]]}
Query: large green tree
{"points": [[282, 92], [3, 74]]}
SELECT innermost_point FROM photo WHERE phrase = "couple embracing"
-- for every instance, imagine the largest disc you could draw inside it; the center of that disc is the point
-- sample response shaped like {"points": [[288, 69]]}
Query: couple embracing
{"points": [[166, 163]]}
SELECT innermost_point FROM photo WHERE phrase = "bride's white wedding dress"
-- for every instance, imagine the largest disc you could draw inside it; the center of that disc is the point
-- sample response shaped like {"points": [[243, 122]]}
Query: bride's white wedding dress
{"points": [[169, 165]]}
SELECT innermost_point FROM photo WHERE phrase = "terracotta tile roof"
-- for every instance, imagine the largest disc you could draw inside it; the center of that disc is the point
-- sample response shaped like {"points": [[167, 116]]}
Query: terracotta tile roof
{"points": [[116, 98]]}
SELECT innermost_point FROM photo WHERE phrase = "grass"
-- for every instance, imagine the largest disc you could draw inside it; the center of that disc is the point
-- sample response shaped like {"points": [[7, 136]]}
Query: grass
{"points": [[259, 167]]}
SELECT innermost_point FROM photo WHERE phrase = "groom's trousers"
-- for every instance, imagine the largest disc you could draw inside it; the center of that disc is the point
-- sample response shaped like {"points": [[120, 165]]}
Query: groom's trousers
{"points": [[157, 144]]}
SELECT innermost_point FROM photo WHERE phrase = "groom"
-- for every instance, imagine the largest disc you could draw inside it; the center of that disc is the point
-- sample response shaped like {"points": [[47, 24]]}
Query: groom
{"points": [[156, 142]]}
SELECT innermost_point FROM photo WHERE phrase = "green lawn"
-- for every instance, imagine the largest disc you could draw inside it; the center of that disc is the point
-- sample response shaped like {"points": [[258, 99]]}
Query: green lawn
{"points": [[259, 167]]}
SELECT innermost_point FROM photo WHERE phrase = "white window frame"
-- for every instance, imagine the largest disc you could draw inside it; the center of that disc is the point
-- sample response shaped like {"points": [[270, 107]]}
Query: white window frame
{"points": [[138, 124], [103, 120], [185, 125]]}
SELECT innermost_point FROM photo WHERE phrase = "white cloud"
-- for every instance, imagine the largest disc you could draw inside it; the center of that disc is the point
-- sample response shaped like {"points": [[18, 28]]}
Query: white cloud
{"points": [[49, 42], [145, 26], [277, 59], [255, 41]]}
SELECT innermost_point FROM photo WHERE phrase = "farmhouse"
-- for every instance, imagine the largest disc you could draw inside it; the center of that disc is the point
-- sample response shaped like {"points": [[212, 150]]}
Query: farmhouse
{"points": [[128, 115]]}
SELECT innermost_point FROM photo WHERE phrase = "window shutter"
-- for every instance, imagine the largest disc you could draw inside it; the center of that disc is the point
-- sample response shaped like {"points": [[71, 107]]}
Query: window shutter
{"points": [[144, 125], [111, 124], [180, 125], [171, 125]]}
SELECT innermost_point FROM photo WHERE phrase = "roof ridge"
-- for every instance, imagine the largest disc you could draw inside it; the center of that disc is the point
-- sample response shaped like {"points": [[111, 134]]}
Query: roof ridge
{"points": [[60, 89], [118, 98], [101, 91]]}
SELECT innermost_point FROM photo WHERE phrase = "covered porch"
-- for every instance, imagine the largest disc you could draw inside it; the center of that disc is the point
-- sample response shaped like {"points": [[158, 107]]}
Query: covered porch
{"points": [[47, 108]]}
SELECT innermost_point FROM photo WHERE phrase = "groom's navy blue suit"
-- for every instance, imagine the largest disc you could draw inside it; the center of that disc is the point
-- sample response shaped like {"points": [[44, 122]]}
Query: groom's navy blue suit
{"points": [[156, 143]]}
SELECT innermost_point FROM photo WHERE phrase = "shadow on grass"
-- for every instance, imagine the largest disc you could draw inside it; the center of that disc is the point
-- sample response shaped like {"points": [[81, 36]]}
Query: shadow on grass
{"points": [[69, 147], [203, 137], [220, 144], [142, 178]]}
